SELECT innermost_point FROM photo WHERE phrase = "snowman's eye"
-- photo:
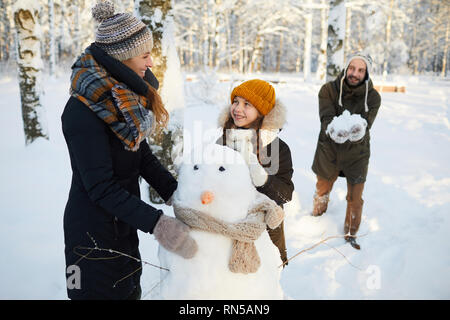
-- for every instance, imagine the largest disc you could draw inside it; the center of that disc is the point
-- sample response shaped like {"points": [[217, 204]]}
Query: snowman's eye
{"points": [[195, 167], [221, 168]]}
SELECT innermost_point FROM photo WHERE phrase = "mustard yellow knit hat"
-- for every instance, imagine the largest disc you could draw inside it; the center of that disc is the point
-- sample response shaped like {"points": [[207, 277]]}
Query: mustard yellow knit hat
{"points": [[258, 92]]}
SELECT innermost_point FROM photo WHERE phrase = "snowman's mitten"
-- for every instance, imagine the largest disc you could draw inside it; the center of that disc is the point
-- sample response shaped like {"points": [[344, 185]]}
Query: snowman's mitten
{"points": [[273, 213], [274, 217], [357, 132], [170, 201], [257, 172], [174, 236]]}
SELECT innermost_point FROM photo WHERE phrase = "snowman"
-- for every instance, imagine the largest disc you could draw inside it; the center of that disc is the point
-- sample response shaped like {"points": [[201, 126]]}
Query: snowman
{"points": [[228, 218]]}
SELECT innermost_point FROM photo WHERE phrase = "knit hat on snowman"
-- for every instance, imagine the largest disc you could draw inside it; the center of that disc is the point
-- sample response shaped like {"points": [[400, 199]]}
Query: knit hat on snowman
{"points": [[368, 61]]}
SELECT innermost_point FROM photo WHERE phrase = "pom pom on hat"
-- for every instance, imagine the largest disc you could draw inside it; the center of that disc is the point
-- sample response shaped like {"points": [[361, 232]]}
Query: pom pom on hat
{"points": [[258, 92], [103, 10]]}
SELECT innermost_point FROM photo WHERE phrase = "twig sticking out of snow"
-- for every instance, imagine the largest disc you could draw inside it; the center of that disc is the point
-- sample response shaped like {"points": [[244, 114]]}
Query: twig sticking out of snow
{"points": [[324, 242], [96, 248], [356, 267], [154, 287]]}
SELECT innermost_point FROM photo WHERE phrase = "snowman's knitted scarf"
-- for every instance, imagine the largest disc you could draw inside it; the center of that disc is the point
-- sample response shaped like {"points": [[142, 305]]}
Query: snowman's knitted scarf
{"points": [[244, 256]]}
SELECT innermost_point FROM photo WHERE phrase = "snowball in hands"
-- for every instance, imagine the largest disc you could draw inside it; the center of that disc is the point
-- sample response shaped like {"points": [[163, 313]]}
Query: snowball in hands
{"points": [[347, 127]]}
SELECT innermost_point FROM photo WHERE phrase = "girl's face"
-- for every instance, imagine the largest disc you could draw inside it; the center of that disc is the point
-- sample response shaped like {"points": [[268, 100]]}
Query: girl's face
{"points": [[243, 112], [140, 63]]}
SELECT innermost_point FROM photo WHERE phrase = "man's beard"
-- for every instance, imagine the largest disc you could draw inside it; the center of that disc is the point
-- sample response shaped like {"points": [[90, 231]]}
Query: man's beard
{"points": [[353, 85]]}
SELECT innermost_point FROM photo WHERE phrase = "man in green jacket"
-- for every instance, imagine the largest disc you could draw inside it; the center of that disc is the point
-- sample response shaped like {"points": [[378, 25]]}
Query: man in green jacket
{"points": [[346, 152]]}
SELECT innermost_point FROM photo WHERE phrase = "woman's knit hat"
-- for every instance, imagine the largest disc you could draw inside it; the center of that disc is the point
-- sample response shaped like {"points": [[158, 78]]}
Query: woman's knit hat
{"points": [[258, 92], [121, 35]]}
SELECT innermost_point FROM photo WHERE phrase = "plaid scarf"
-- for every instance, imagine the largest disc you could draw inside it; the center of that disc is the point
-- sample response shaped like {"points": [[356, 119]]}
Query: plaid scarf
{"points": [[125, 112]]}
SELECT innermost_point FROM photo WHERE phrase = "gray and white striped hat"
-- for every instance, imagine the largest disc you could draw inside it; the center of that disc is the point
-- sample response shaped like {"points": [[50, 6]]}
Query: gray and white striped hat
{"points": [[121, 35]]}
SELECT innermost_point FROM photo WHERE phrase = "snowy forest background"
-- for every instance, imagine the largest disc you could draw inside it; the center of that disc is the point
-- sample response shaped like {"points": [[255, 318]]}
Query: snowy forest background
{"points": [[402, 36]]}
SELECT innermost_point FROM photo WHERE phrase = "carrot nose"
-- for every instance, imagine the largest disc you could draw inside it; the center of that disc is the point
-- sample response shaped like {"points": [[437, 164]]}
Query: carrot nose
{"points": [[207, 197]]}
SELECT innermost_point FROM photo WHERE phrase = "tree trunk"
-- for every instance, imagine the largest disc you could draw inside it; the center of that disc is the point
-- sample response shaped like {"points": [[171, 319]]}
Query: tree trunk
{"points": [[348, 32], [77, 29], [6, 31], [241, 51], [213, 36], [444, 56], [336, 35], [153, 13], [156, 15], [30, 66], [280, 51], [299, 56], [388, 40], [61, 37], [51, 34], [307, 48], [262, 62], [257, 52], [322, 60], [228, 44], [205, 35], [191, 52]]}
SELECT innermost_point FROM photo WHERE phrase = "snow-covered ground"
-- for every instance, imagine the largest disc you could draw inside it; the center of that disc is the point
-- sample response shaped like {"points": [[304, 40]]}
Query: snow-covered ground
{"points": [[405, 231]]}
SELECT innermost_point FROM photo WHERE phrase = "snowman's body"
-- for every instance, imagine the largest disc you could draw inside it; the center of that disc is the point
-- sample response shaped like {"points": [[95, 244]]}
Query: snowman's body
{"points": [[207, 275]]}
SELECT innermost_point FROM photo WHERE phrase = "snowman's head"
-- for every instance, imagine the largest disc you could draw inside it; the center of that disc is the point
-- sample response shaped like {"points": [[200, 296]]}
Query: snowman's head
{"points": [[219, 184]]}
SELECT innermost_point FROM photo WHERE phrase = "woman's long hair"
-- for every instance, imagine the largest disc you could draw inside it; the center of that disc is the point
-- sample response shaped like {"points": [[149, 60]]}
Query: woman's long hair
{"points": [[160, 113]]}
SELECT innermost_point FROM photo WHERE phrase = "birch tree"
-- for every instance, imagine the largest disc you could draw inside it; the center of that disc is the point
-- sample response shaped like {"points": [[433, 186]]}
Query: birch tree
{"points": [[157, 15], [388, 39], [322, 60], [51, 30], [6, 40], [30, 67], [444, 56], [308, 39], [336, 34]]}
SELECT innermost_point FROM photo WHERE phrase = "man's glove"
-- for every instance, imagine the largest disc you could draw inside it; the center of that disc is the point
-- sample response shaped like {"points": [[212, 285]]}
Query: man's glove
{"points": [[357, 132], [339, 136], [174, 236], [347, 126]]}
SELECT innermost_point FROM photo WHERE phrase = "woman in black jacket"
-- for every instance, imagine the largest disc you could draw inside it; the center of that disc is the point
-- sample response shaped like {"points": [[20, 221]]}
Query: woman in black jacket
{"points": [[113, 107], [251, 126]]}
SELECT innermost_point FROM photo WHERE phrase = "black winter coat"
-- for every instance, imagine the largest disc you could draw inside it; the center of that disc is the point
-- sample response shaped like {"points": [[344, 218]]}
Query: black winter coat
{"points": [[104, 200]]}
